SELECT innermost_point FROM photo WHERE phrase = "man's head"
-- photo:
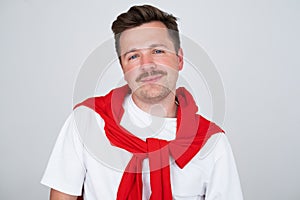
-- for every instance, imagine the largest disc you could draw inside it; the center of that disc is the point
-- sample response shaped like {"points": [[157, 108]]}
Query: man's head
{"points": [[138, 15], [147, 42]]}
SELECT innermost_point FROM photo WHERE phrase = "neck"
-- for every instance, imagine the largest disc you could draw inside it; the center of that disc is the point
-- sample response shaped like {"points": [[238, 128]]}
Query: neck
{"points": [[163, 108]]}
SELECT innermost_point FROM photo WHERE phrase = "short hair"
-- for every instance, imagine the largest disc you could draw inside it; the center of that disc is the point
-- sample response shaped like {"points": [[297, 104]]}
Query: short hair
{"points": [[138, 15]]}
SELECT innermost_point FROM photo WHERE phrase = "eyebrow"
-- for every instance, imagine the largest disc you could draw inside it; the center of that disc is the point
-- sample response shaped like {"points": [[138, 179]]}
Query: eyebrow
{"points": [[151, 46]]}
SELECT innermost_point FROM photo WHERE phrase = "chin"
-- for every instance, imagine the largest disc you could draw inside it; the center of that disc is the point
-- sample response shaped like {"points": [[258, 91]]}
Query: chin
{"points": [[152, 94]]}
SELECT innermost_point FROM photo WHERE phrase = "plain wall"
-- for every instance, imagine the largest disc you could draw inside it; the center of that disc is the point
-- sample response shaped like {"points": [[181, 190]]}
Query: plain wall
{"points": [[253, 44]]}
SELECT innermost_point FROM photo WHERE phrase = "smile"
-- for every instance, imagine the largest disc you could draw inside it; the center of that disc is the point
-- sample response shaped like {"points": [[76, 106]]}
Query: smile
{"points": [[151, 76], [151, 79]]}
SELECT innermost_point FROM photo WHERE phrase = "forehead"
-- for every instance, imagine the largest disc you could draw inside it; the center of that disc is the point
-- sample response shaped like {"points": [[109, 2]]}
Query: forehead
{"points": [[145, 36]]}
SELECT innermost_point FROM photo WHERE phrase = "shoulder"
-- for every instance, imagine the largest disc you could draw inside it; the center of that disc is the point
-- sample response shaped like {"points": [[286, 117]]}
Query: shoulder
{"points": [[88, 124], [215, 147], [85, 116]]}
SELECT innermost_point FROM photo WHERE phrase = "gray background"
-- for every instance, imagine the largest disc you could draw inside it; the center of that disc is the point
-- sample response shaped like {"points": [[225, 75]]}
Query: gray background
{"points": [[254, 45]]}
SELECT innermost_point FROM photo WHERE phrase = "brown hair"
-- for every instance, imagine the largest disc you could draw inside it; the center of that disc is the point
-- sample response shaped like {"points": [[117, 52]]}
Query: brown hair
{"points": [[138, 15]]}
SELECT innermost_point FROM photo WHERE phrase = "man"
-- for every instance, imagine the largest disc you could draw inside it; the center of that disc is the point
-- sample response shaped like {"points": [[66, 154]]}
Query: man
{"points": [[152, 143]]}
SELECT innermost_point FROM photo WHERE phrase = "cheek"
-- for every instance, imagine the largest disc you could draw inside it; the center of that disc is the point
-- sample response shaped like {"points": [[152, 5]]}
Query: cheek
{"points": [[169, 62], [129, 75], [128, 67]]}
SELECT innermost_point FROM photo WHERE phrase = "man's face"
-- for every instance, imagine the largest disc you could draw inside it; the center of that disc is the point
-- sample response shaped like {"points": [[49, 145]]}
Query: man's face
{"points": [[149, 61]]}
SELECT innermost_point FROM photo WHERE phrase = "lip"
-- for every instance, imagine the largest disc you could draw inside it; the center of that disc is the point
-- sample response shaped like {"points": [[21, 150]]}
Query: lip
{"points": [[151, 79]]}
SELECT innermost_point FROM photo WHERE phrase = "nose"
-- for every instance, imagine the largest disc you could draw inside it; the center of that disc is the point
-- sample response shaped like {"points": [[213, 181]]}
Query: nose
{"points": [[147, 62]]}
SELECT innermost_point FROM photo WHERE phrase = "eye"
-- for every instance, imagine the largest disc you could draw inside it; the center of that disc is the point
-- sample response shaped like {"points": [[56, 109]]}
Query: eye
{"points": [[158, 51], [133, 57]]}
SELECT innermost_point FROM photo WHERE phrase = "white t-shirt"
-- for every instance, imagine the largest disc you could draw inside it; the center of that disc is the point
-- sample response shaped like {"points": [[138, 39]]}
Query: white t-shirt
{"points": [[84, 157]]}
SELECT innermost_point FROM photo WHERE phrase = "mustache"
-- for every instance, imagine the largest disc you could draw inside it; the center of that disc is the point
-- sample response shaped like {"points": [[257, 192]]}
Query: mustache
{"points": [[151, 73]]}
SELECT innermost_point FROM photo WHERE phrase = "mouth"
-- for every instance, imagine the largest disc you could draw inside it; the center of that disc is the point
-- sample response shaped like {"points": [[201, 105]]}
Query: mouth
{"points": [[151, 79], [151, 76]]}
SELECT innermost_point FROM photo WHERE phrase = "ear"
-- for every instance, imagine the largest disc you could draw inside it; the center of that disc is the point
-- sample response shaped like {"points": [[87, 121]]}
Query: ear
{"points": [[180, 58]]}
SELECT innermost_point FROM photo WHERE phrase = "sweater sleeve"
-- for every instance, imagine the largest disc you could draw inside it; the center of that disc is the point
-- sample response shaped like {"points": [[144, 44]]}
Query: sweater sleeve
{"points": [[65, 171]]}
